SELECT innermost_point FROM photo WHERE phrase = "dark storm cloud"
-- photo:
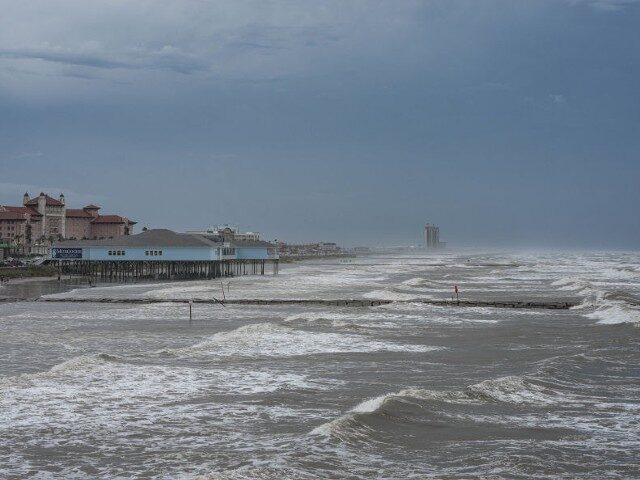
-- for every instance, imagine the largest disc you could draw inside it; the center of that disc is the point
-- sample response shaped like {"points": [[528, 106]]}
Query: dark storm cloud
{"points": [[505, 122]]}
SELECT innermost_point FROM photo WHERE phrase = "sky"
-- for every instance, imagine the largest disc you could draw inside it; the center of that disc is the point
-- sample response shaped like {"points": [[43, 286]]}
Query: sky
{"points": [[507, 123]]}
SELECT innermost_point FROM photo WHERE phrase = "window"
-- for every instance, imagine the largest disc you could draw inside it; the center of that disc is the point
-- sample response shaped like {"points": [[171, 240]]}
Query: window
{"points": [[110, 252], [146, 252], [160, 252]]}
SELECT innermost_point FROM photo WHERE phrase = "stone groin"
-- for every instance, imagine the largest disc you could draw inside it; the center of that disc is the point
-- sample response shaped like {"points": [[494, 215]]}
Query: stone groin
{"points": [[549, 305]]}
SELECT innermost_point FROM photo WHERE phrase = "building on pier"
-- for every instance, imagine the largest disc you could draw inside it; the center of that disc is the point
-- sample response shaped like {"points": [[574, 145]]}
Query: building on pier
{"points": [[163, 253], [228, 232]]}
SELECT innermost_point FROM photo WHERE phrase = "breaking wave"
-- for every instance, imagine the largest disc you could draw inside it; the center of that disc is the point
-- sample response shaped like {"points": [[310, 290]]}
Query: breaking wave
{"points": [[272, 340], [511, 390], [514, 390], [616, 314], [75, 364], [612, 308], [608, 307]]}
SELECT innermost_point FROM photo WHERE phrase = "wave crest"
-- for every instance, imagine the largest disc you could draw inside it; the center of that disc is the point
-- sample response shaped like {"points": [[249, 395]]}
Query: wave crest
{"points": [[273, 340], [512, 390]]}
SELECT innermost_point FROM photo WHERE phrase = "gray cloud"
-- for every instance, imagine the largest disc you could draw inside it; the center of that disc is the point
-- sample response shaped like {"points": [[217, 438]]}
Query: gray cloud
{"points": [[607, 5], [28, 155], [331, 119], [167, 58], [244, 39]]}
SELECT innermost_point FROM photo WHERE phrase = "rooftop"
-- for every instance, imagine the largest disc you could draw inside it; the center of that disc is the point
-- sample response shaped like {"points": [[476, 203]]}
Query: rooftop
{"points": [[21, 210], [49, 201], [161, 237], [11, 216], [112, 219], [77, 213]]}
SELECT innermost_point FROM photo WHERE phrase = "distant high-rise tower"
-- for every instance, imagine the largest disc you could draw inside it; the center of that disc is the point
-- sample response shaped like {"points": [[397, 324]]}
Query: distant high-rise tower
{"points": [[431, 236]]}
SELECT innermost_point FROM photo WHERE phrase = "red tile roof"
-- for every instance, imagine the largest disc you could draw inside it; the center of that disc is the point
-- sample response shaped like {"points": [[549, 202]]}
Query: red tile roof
{"points": [[22, 210], [112, 219], [12, 216], [77, 213], [50, 201]]}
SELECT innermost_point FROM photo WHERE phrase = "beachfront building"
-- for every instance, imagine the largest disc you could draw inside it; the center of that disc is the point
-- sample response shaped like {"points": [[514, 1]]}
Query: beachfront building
{"points": [[13, 231], [32, 227], [302, 250], [229, 232], [162, 253]]}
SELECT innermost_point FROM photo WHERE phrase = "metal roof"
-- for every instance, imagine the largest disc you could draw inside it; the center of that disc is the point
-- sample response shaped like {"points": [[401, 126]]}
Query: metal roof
{"points": [[159, 237], [162, 237]]}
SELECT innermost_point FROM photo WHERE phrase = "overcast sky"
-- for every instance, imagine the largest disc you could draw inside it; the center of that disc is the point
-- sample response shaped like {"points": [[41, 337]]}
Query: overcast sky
{"points": [[505, 122]]}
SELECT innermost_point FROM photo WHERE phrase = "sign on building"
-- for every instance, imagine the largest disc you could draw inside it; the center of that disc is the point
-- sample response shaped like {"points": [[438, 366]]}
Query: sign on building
{"points": [[58, 253]]}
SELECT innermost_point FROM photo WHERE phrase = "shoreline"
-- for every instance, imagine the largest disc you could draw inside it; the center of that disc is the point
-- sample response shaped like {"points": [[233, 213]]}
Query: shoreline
{"points": [[22, 280]]}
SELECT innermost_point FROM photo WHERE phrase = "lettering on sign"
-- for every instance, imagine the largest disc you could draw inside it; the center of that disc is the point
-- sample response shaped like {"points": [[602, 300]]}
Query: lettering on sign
{"points": [[66, 253]]}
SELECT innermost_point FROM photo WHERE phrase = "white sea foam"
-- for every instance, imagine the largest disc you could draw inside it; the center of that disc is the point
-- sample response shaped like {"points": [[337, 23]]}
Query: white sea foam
{"points": [[615, 314], [515, 390], [107, 368], [115, 391], [61, 311], [356, 319], [416, 281], [393, 296]]}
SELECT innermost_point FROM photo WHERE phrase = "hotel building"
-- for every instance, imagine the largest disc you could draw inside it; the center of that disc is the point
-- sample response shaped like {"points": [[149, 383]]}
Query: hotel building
{"points": [[32, 227]]}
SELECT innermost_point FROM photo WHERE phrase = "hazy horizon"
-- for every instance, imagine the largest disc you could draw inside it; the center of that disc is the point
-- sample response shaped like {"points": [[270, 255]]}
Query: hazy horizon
{"points": [[512, 124]]}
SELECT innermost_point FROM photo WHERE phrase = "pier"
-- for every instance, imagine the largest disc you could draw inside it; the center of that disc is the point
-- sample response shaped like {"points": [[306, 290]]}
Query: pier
{"points": [[163, 254], [124, 271]]}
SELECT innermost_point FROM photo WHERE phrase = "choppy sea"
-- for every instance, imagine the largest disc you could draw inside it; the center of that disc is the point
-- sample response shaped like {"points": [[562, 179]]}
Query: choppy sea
{"points": [[404, 390]]}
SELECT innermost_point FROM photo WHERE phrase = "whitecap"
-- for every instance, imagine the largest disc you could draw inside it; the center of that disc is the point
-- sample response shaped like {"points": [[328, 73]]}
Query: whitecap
{"points": [[271, 340], [615, 314]]}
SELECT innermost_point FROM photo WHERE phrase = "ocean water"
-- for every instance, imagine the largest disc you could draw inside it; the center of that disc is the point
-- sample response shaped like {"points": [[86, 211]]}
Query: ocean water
{"points": [[404, 390]]}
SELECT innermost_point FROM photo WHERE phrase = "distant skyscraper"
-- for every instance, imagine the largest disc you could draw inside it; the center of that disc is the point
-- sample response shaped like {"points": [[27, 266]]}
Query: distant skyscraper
{"points": [[431, 236]]}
